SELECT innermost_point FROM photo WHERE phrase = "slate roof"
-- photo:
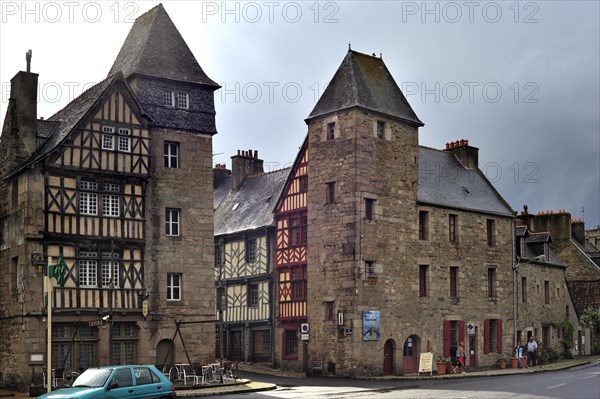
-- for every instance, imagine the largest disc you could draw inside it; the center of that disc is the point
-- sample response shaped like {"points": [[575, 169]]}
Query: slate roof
{"points": [[538, 238], [521, 231], [444, 181], [155, 47], [585, 293], [364, 81], [256, 199], [221, 191]]}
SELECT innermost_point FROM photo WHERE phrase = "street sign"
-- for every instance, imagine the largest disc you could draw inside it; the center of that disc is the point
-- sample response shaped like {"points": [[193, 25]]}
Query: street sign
{"points": [[304, 337], [97, 323]]}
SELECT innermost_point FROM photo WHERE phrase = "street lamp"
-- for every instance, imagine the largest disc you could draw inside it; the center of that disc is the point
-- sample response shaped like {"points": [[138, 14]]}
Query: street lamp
{"points": [[515, 272]]}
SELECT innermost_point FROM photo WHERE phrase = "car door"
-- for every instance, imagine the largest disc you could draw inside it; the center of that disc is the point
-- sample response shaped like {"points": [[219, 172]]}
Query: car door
{"points": [[121, 384], [148, 385]]}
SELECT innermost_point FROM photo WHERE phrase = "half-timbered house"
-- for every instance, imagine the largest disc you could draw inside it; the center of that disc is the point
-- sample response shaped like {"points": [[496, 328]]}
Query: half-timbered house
{"points": [[117, 187], [244, 253]]}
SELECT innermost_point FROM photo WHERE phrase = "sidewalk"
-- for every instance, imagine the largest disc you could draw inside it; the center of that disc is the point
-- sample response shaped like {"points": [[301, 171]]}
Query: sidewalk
{"points": [[245, 385]]}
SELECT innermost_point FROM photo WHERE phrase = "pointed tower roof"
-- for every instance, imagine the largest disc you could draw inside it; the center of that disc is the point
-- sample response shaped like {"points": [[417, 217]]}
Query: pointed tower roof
{"points": [[364, 81], [155, 47]]}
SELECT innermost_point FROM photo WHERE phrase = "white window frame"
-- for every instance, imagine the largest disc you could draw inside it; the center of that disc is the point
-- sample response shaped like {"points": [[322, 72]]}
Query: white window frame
{"points": [[110, 205], [88, 203], [168, 99], [172, 227], [182, 100], [174, 287], [124, 140], [106, 268], [171, 156], [88, 270]]}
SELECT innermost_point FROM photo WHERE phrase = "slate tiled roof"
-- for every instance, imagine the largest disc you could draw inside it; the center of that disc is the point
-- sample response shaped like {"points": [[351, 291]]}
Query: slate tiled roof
{"points": [[521, 231], [221, 191], [584, 294], [444, 181], [538, 238], [155, 47], [364, 81], [255, 199]]}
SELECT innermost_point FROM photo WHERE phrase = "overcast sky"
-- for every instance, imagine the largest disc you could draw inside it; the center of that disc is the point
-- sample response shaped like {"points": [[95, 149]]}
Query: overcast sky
{"points": [[519, 80]]}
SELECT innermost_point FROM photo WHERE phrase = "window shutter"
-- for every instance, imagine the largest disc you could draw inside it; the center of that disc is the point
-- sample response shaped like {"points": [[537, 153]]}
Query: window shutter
{"points": [[447, 338], [486, 336], [499, 321], [461, 331]]}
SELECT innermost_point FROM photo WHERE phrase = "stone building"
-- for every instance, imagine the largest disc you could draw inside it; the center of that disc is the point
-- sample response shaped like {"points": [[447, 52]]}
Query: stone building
{"points": [[580, 257], [406, 248], [593, 236], [244, 200], [116, 187]]}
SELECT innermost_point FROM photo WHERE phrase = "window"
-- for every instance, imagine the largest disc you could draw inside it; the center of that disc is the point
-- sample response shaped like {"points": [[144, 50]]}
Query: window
{"points": [[298, 284], [330, 193], [304, 229], [108, 138], [172, 222], [369, 208], [124, 346], [423, 280], [331, 131], [110, 205], [14, 191], [453, 282], [423, 225], [291, 343], [547, 292], [14, 263], [524, 289], [295, 232], [110, 270], [370, 275], [173, 287], [380, 130], [182, 100], [492, 336], [328, 311], [88, 269], [452, 227], [73, 346], [253, 297], [171, 155], [491, 232], [251, 250], [491, 282], [88, 201], [303, 184], [167, 98], [124, 140], [546, 336]]}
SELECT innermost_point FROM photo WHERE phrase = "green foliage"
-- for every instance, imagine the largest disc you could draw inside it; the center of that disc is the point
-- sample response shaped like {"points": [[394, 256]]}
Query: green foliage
{"points": [[566, 332], [591, 317]]}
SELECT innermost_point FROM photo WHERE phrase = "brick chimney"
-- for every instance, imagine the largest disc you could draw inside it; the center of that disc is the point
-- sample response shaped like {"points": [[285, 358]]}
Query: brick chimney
{"points": [[245, 164], [467, 155], [23, 89], [578, 230]]}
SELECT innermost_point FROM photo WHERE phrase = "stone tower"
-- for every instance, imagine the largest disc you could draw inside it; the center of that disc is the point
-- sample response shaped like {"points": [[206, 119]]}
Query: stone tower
{"points": [[364, 148]]}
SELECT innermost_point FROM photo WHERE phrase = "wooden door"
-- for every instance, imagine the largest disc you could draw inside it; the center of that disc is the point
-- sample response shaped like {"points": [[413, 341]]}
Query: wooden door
{"points": [[388, 357]]}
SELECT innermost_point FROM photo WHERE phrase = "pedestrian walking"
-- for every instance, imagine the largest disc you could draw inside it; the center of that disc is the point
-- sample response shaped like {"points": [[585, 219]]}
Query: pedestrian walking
{"points": [[519, 349]]}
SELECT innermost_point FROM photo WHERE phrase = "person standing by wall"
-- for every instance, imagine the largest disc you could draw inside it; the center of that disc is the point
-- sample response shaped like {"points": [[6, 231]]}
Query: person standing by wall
{"points": [[531, 352], [519, 349]]}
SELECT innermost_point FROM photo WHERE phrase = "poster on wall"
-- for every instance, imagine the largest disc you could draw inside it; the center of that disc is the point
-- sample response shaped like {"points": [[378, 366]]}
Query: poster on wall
{"points": [[371, 325]]}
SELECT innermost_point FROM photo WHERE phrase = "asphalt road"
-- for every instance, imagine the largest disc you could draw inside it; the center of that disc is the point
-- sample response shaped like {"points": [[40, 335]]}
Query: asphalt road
{"points": [[581, 382]]}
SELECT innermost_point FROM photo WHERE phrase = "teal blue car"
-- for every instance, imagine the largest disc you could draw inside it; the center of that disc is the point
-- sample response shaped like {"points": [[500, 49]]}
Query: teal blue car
{"points": [[114, 382]]}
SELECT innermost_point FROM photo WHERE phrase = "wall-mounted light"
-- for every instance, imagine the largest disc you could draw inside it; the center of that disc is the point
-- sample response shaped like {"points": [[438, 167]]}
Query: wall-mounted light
{"points": [[39, 263]]}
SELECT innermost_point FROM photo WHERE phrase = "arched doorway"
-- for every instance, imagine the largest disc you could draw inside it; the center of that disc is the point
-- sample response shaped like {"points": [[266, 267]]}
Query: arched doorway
{"points": [[165, 352], [411, 352], [388, 357]]}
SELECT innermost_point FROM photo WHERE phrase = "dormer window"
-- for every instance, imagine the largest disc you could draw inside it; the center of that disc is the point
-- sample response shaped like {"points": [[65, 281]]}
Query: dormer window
{"points": [[124, 140], [176, 99], [108, 138]]}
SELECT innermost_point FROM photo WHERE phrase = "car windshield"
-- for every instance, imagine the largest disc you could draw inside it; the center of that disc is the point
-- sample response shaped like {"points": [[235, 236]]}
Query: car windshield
{"points": [[92, 378]]}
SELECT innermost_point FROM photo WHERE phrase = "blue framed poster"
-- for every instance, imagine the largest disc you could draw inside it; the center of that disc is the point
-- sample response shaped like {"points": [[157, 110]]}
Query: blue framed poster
{"points": [[371, 325]]}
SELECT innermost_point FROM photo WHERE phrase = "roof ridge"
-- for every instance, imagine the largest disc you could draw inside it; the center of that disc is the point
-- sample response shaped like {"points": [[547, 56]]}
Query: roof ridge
{"points": [[268, 173]]}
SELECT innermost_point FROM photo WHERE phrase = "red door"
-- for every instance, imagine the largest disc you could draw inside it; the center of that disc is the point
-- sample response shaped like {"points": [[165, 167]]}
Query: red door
{"points": [[411, 355], [388, 357]]}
